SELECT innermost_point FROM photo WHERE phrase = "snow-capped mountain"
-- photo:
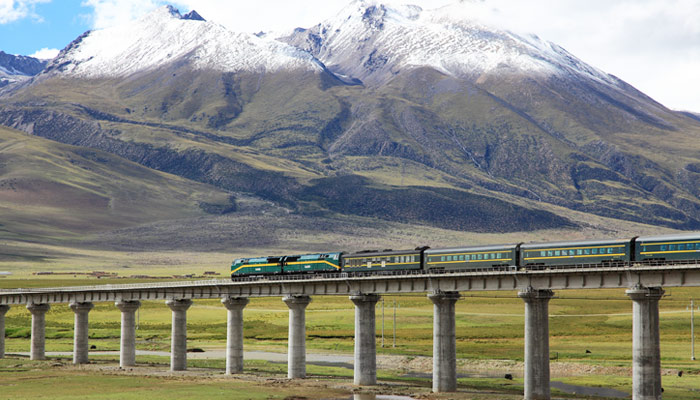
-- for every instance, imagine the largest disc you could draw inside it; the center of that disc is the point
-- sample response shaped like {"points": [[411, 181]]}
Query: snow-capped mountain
{"points": [[459, 105], [373, 42], [165, 36], [18, 68]]}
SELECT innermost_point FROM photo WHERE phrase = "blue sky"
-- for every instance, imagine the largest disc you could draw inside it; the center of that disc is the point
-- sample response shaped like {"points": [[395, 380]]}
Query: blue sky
{"points": [[652, 44], [49, 25]]}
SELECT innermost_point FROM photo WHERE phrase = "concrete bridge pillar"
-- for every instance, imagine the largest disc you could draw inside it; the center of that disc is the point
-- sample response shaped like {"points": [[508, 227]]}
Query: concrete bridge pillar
{"points": [[127, 349], [3, 310], [444, 341], [536, 343], [38, 344], [178, 340], [296, 361], [646, 353], [365, 339], [234, 333], [80, 333]]}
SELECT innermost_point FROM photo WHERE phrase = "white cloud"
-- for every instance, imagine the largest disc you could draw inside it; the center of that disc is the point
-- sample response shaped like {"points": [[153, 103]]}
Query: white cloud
{"points": [[13, 10], [115, 12], [45, 54]]}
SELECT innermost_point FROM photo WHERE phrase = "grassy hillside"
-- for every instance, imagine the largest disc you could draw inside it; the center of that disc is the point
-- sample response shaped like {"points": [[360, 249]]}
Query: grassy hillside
{"points": [[58, 191]]}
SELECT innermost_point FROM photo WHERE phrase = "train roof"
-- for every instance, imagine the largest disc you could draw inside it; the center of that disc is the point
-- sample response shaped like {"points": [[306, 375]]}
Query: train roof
{"points": [[677, 236], [374, 253], [574, 243], [472, 248]]}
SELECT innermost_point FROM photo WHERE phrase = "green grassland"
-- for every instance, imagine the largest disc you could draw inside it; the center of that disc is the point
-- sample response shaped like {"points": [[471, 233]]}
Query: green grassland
{"points": [[590, 339]]}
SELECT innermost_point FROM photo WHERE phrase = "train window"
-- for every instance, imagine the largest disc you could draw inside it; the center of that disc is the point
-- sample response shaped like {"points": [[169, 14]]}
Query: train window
{"points": [[697, 246], [480, 256], [579, 252], [557, 253], [565, 252], [550, 253], [681, 247], [543, 253], [595, 251], [587, 252], [672, 247], [442, 258], [664, 247]]}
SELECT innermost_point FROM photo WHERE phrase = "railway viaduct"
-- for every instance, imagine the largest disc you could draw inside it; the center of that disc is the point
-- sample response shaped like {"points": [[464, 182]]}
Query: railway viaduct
{"points": [[644, 286]]}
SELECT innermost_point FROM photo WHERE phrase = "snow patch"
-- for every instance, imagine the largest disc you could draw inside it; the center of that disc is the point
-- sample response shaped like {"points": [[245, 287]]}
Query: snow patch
{"points": [[446, 39], [164, 36]]}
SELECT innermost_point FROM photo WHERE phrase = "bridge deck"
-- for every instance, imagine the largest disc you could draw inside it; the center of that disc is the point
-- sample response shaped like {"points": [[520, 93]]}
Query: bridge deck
{"points": [[340, 284]]}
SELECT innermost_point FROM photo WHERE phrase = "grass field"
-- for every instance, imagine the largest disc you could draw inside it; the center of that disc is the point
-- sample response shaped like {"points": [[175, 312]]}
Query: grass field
{"points": [[590, 341]]}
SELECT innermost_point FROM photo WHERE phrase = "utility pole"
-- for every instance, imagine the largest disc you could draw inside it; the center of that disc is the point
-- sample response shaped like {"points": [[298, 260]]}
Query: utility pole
{"points": [[394, 323], [382, 321], [692, 330]]}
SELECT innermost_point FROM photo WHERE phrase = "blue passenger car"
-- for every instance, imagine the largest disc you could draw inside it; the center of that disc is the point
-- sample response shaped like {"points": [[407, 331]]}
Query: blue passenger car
{"points": [[589, 252], [668, 248], [503, 256], [382, 261]]}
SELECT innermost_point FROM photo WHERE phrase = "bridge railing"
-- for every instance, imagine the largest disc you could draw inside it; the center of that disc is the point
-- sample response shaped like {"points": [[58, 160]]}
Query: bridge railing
{"points": [[506, 271]]}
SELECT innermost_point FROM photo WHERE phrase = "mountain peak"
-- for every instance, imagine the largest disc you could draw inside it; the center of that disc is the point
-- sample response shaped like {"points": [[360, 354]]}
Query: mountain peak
{"points": [[172, 11], [193, 16], [373, 42], [164, 36]]}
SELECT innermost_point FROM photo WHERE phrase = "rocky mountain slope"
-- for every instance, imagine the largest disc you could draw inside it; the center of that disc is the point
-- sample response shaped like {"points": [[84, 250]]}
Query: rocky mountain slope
{"points": [[15, 69], [394, 113]]}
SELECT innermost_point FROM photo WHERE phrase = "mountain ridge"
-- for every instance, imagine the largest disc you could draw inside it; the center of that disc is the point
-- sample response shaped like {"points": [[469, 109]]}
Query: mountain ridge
{"points": [[124, 50], [14, 69]]}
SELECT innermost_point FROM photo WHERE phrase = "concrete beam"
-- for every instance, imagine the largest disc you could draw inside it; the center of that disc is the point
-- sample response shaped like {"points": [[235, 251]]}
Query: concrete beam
{"points": [[444, 341], [127, 349], [536, 343], [178, 340], [38, 343], [296, 359], [234, 333], [365, 339], [646, 353], [80, 333], [3, 310]]}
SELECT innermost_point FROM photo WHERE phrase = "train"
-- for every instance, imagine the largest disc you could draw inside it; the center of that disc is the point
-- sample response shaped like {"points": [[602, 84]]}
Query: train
{"points": [[649, 250]]}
